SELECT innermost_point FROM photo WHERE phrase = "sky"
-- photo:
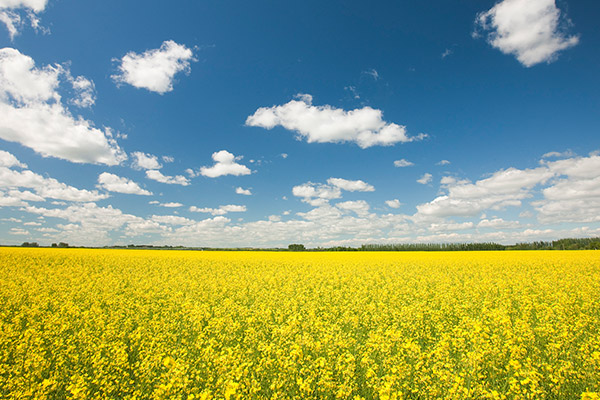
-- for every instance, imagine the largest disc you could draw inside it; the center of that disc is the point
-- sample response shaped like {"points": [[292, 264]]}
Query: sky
{"points": [[264, 123]]}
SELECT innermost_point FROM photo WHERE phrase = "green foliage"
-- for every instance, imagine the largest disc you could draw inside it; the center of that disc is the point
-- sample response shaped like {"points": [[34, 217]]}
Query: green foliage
{"points": [[432, 247], [296, 247]]}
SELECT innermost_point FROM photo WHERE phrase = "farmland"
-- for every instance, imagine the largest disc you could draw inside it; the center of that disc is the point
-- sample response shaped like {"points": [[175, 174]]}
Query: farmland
{"points": [[135, 324]]}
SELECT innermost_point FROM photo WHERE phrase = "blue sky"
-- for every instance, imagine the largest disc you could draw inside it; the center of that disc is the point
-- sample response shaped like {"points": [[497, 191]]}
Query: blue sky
{"points": [[266, 123]]}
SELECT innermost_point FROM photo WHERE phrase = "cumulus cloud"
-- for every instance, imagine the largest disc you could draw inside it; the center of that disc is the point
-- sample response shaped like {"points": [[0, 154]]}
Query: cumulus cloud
{"points": [[403, 163], [240, 190], [46, 187], [85, 91], [531, 30], [8, 160], [395, 203], [156, 175], [10, 14], [359, 207], [575, 195], [171, 205], [155, 69], [326, 124], [425, 179], [34, 116], [319, 194], [225, 164], [443, 162], [114, 183], [351, 186], [144, 161], [503, 189], [571, 196], [222, 210], [497, 223]]}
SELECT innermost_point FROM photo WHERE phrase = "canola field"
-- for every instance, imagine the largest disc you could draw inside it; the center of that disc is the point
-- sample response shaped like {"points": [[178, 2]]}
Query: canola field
{"points": [[130, 324]]}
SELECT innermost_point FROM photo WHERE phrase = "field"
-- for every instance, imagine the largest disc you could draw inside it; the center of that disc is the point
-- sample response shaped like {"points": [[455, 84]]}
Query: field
{"points": [[129, 324]]}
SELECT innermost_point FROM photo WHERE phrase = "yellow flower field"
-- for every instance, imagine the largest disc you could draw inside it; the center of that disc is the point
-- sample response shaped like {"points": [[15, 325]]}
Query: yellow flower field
{"points": [[131, 324]]}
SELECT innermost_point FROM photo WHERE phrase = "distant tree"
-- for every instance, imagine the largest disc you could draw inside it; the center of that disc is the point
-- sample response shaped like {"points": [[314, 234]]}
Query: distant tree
{"points": [[54, 245], [296, 247], [30, 244], [63, 244]]}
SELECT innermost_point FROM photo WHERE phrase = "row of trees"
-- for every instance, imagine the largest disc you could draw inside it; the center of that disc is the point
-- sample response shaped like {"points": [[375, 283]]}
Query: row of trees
{"points": [[561, 244]]}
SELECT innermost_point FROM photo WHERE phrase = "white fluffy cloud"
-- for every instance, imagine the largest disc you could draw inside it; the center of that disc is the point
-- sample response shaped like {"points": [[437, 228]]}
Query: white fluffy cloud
{"points": [[572, 195], [529, 29], [85, 92], [8, 160], [575, 195], [326, 124], [11, 17], [34, 116], [497, 223], [359, 207], [395, 203], [144, 161], [225, 164], [402, 163], [156, 175], [317, 194], [503, 189], [46, 187], [351, 186], [222, 210], [425, 179], [171, 205], [114, 183], [241, 190], [155, 69]]}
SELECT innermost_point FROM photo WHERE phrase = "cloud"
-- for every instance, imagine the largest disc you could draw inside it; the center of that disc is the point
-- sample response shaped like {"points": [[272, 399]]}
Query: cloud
{"points": [[155, 69], [240, 190], [168, 159], [503, 189], [531, 30], [395, 203], [317, 194], [171, 205], [46, 187], [351, 186], [447, 53], [326, 124], [34, 116], [403, 163], [557, 154], [85, 91], [497, 223], [114, 183], [90, 224], [222, 210], [224, 165], [10, 16], [156, 175], [425, 179], [359, 207], [8, 160], [443, 162], [144, 161], [372, 73]]}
